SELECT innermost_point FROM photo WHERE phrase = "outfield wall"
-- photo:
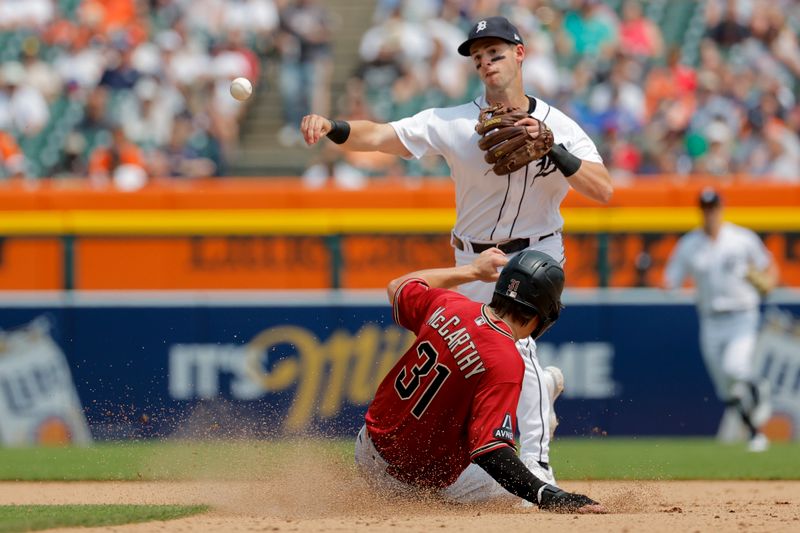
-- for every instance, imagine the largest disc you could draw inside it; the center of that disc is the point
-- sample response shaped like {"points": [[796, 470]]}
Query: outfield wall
{"points": [[270, 234], [260, 364]]}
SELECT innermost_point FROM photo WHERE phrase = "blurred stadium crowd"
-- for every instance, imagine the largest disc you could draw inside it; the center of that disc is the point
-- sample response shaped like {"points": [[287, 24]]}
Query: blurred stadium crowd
{"points": [[716, 95], [127, 89]]}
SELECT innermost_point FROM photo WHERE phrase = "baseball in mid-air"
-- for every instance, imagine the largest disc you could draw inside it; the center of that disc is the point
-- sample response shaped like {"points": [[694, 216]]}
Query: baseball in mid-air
{"points": [[241, 88]]}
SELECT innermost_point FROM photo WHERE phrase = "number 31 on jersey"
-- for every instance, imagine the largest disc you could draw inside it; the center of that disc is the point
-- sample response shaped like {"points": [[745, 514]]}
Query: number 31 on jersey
{"points": [[407, 382]]}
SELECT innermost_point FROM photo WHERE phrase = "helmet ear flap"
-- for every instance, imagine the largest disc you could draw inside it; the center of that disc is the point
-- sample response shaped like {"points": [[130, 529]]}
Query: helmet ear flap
{"points": [[544, 325], [547, 323]]}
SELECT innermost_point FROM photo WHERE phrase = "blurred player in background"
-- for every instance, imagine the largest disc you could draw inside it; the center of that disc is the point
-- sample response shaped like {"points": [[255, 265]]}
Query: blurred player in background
{"points": [[451, 398], [732, 271], [516, 212]]}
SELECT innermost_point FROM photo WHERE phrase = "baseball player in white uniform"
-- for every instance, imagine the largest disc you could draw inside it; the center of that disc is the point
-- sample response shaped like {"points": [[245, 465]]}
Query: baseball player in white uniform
{"points": [[516, 212], [731, 268]]}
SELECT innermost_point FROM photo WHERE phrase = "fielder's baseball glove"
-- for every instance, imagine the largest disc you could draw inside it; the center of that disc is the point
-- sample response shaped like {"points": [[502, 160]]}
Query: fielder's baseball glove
{"points": [[759, 280], [509, 148]]}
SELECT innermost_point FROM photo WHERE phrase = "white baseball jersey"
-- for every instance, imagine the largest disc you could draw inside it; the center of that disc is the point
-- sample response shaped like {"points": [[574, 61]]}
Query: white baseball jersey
{"points": [[491, 208], [718, 267]]}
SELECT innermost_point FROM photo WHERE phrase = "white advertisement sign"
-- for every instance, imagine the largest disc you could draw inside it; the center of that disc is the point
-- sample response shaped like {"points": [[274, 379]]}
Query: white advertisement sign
{"points": [[778, 361], [38, 400]]}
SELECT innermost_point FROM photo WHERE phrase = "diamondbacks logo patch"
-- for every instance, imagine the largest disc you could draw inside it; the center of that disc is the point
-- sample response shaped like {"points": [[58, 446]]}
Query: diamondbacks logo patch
{"points": [[506, 431]]}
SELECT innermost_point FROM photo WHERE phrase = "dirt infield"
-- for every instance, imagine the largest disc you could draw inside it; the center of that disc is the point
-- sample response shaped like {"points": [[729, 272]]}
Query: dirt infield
{"points": [[308, 506]]}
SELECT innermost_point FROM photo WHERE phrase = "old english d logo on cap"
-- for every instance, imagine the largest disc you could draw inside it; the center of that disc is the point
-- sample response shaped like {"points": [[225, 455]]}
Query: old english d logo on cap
{"points": [[498, 27]]}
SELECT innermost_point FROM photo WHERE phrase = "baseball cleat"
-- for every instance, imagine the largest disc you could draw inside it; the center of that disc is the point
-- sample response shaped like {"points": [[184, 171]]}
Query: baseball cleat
{"points": [[758, 444], [545, 474], [555, 386], [558, 381]]}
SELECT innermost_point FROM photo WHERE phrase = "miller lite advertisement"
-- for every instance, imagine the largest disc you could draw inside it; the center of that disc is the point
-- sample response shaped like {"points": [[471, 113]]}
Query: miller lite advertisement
{"points": [[778, 362], [238, 367], [38, 400]]}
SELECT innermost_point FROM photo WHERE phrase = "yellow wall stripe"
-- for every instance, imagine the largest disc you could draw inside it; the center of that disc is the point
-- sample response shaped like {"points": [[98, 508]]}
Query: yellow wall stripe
{"points": [[332, 221]]}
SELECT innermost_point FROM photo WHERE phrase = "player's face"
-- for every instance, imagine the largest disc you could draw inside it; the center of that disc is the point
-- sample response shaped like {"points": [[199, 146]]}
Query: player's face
{"points": [[496, 61], [528, 329], [712, 218]]}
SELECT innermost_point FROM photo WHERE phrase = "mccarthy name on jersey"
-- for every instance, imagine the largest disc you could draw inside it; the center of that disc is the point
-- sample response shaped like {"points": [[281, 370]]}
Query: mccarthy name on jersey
{"points": [[466, 356]]}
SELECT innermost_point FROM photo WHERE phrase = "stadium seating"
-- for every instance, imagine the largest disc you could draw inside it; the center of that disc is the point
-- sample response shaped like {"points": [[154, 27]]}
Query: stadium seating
{"points": [[256, 142]]}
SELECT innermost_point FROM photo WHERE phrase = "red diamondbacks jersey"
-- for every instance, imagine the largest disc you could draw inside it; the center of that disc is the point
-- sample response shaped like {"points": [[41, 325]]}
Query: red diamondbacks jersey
{"points": [[453, 395]]}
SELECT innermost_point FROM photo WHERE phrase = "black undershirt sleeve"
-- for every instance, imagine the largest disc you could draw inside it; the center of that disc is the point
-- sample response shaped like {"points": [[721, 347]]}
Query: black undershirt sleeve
{"points": [[507, 469]]}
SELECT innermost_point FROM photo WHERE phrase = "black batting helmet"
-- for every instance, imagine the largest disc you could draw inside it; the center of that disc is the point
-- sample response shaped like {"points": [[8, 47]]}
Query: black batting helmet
{"points": [[535, 281]]}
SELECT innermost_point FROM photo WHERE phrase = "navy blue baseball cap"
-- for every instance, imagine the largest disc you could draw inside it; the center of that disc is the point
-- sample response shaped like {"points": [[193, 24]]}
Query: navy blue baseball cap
{"points": [[709, 197], [498, 27]]}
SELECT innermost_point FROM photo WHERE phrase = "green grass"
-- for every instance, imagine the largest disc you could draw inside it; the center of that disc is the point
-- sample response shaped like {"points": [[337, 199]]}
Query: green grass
{"points": [[663, 458], [587, 458], [15, 518], [158, 460]]}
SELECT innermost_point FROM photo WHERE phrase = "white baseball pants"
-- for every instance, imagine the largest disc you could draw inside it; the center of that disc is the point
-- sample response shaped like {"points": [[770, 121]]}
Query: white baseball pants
{"points": [[533, 410], [473, 485], [727, 342]]}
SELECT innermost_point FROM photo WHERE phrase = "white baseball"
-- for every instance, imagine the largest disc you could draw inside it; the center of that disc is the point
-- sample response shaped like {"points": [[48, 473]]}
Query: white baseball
{"points": [[241, 88]]}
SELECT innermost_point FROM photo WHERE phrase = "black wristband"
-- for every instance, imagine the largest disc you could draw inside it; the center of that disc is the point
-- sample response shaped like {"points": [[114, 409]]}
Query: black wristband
{"points": [[340, 131], [564, 161]]}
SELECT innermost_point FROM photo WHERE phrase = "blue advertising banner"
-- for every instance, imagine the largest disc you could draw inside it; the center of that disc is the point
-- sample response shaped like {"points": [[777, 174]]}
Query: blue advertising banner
{"points": [[222, 367]]}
